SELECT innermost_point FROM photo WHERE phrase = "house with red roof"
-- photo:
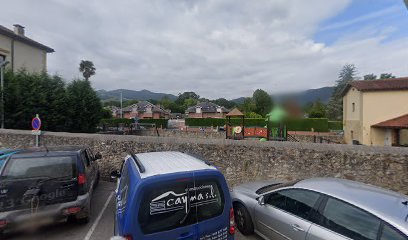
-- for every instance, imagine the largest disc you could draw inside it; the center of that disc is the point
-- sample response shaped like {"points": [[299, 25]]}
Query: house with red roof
{"points": [[375, 112]]}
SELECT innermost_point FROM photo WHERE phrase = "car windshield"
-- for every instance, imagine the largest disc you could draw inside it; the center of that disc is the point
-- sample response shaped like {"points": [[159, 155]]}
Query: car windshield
{"points": [[49, 167], [164, 207]]}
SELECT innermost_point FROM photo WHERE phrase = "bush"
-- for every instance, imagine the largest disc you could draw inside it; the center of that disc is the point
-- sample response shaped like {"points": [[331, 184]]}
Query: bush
{"points": [[336, 125], [159, 122], [208, 122], [116, 121], [306, 124]]}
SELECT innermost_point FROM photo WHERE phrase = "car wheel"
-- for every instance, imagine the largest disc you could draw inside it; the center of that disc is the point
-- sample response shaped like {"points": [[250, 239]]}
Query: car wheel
{"points": [[243, 219]]}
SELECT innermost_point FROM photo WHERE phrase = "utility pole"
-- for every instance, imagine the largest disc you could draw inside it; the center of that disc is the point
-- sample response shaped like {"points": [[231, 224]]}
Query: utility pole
{"points": [[2, 67], [121, 107]]}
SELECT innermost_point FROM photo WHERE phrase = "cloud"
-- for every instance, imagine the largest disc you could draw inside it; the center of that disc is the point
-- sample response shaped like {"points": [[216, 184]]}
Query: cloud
{"points": [[217, 48]]}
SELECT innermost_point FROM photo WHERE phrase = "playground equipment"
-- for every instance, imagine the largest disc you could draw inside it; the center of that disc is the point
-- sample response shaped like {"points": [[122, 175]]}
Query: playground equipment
{"points": [[277, 130], [238, 131]]}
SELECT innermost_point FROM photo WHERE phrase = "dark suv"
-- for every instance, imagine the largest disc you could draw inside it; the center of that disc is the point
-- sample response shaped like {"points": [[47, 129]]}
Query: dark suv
{"points": [[46, 185]]}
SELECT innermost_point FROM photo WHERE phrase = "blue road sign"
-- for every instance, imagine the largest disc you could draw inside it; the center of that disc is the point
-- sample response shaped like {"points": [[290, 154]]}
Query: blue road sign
{"points": [[36, 123]]}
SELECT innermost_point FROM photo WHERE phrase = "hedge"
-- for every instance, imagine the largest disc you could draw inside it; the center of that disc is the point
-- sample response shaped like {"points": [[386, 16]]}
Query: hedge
{"points": [[159, 122], [336, 125], [306, 124], [214, 122], [115, 121]]}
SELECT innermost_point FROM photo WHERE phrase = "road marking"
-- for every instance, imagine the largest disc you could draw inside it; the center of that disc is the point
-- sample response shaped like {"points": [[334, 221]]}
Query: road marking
{"points": [[98, 219]]}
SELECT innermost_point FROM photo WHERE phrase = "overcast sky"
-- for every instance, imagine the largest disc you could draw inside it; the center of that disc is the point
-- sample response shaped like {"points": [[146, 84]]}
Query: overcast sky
{"points": [[217, 48]]}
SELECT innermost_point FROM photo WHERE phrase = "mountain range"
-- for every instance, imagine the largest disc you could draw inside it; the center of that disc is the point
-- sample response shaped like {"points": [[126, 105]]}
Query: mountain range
{"points": [[301, 97]]}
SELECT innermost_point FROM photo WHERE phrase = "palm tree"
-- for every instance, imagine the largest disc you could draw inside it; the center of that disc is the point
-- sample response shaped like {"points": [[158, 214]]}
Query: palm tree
{"points": [[87, 69]]}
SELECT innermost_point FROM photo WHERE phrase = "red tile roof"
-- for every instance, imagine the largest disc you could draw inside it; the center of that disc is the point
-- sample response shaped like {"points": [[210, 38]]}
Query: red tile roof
{"points": [[396, 123], [391, 84]]}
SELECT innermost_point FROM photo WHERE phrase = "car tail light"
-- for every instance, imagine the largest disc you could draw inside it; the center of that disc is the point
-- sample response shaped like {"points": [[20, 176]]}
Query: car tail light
{"points": [[81, 179], [72, 210], [231, 222], [128, 237], [3, 223]]}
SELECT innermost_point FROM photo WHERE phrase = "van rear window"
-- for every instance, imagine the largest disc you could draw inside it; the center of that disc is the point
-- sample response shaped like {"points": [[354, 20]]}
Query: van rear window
{"points": [[39, 167], [165, 207]]}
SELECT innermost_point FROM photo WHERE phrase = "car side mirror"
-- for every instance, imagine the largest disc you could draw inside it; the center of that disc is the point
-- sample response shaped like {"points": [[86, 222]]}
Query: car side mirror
{"points": [[98, 156], [261, 200], [115, 174]]}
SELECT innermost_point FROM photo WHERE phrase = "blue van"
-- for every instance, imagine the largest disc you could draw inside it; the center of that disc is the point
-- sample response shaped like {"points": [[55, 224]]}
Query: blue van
{"points": [[171, 196]]}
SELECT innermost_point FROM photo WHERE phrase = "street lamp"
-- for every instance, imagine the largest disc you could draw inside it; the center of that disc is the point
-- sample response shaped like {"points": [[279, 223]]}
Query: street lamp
{"points": [[2, 67]]}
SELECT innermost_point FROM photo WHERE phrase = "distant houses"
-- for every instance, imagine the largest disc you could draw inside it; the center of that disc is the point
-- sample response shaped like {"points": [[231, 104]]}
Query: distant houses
{"points": [[142, 110], [147, 110], [206, 110]]}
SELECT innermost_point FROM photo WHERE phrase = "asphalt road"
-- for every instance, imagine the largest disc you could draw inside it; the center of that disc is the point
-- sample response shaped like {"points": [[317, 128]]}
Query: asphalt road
{"points": [[99, 228]]}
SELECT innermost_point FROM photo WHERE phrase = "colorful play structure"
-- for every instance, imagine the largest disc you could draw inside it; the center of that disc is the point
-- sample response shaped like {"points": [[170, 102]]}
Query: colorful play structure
{"points": [[274, 130]]}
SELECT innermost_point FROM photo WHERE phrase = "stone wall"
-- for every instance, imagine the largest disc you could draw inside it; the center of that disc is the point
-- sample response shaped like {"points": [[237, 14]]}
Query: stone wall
{"points": [[243, 161]]}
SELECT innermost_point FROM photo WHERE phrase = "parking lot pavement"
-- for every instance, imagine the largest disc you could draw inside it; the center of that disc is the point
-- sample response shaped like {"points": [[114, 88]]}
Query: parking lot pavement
{"points": [[239, 236], [99, 228]]}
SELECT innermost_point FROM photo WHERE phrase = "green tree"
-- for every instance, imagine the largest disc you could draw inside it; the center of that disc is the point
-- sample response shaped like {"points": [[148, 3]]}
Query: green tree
{"points": [[85, 108], [128, 102], [224, 103], [106, 113], [386, 76], [252, 115], [29, 94], [189, 102], [318, 110], [335, 105], [186, 95], [263, 102], [370, 76], [248, 105], [87, 69]]}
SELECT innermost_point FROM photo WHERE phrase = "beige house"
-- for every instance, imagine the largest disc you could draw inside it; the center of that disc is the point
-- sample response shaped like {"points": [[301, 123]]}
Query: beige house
{"points": [[376, 112], [21, 51]]}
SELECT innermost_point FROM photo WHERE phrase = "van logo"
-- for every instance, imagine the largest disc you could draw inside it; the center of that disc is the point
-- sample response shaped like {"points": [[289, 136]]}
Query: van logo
{"points": [[171, 201]]}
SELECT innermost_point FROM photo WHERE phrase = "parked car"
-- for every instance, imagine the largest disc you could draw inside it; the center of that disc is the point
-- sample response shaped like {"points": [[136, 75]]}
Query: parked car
{"points": [[320, 208], [44, 185], [171, 195], [4, 154]]}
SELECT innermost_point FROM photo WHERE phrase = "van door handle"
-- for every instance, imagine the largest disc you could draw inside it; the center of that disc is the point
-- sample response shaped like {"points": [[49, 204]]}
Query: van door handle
{"points": [[297, 228], [186, 235]]}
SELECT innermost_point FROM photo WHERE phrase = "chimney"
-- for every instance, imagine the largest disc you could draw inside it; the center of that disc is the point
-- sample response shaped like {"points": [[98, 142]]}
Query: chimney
{"points": [[19, 30]]}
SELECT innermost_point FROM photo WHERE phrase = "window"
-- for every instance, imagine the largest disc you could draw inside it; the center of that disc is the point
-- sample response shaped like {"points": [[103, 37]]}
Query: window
{"points": [[85, 159], [296, 201], [164, 205], [389, 233], [123, 187], [39, 167], [349, 221], [353, 107], [2, 58]]}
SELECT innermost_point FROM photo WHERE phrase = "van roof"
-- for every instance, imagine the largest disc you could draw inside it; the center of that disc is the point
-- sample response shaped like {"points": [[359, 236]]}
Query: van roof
{"points": [[160, 163]]}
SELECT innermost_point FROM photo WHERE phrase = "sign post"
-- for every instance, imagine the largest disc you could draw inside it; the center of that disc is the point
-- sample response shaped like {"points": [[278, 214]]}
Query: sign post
{"points": [[36, 125]]}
